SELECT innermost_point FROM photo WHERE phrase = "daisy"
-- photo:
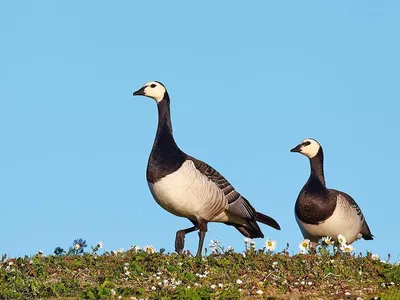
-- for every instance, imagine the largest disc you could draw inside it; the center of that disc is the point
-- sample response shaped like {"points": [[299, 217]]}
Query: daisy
{"points": [[327, 241], [214, 244], [260, 292], [304, 245], [347, 248], [213, 286], [149, 249], [239, 281], [270, 245], [341, 239], [249, 241], [375, 256]]}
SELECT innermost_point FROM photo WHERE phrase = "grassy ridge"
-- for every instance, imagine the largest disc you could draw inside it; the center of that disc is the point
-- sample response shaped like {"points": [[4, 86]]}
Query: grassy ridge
{"points": [[253, 274]]}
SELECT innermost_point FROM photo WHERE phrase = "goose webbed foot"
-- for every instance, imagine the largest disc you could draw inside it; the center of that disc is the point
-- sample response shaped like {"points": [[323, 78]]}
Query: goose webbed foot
{"points": [[180, 238]]}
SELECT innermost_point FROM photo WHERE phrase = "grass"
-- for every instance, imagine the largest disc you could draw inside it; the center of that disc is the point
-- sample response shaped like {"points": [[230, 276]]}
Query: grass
{"points": [[138, 274]]}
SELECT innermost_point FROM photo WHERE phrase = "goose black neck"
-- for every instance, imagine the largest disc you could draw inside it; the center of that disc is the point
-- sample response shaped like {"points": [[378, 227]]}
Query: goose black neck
{"points": [[317, 167], [164, 129], [164, 145]]}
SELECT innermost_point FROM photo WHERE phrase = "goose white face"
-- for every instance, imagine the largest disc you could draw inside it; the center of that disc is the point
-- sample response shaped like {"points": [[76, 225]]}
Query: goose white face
{"points": [[152, 89], [307, 147]]}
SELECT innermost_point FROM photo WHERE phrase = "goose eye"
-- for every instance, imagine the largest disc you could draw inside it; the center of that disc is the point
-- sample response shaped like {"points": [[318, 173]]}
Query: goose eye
{"points": [[306, 143], [153, 86]]}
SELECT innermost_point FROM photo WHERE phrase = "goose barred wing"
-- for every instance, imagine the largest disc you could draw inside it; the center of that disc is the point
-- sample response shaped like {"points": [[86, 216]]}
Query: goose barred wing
{"points": [[365, 231], [237, 204]]}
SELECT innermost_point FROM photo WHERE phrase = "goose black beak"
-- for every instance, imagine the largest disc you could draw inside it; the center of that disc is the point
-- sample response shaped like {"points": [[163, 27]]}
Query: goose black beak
{"points": [[296, 149], [139, 92]]}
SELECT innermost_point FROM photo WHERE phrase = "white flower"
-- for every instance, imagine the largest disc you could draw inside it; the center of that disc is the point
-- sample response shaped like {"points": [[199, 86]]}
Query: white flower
{"points": [[375, 256], [249, 241], [113, 292], [120, 250], [119, 297], [347, 293], [213, 286], [188, 287], [274, 264], [180, 264], [244, 255], [135, 248], [165, 282], [229, 248], [153, 288], [270, 245], [304, 245], [220, 285], [214, 243], [77, 246], [328, 240], [260, 292], [309, 283], [149, 249], [347, 248], [99, 245], [40, 252], [239, 281], [341, 239]]}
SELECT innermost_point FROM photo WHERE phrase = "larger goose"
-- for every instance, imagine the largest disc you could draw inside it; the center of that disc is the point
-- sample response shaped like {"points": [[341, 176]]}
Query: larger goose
{"points": [[324, 212], [189, 188]]}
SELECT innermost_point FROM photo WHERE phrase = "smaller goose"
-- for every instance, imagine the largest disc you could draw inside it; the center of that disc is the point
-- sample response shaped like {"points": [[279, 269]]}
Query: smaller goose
{"points": [[324, 212], [190, 188]]}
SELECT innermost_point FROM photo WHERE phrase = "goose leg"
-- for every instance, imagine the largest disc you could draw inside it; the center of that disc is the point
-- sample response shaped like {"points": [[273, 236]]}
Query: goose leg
{"points": [[202, 233], [180, 238]]}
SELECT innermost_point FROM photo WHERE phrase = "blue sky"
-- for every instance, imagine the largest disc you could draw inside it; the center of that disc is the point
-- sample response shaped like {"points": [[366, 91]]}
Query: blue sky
{"points": [[247, 81]]}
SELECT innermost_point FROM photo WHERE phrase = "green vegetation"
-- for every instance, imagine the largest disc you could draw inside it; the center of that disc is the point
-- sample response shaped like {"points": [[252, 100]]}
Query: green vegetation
{"points": [[143, 274]]}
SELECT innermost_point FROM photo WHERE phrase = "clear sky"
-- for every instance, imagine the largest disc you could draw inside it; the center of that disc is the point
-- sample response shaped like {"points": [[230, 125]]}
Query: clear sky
{"points": [[248, 81]]}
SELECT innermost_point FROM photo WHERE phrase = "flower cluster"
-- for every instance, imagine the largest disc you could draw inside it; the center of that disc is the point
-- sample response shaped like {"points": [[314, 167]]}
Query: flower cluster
{"points": [[343, 244], [327, 241]]}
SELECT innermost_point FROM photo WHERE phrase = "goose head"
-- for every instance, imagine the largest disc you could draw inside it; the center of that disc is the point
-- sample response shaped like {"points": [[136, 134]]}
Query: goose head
{"points": [[307, 147], [152, 89]]}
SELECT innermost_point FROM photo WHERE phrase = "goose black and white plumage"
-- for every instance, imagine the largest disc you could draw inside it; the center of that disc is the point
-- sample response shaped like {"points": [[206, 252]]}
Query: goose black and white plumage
{"points": [[187, 187], [322, 212]]}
